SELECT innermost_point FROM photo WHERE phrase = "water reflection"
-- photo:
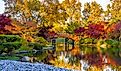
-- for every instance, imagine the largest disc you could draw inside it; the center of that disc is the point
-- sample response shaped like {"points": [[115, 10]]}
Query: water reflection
{"points": [[88, 59]]}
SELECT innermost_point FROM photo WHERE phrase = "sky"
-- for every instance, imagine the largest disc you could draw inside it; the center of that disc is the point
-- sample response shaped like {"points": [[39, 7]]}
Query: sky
{"points": [[1, 6], [103, 3]]}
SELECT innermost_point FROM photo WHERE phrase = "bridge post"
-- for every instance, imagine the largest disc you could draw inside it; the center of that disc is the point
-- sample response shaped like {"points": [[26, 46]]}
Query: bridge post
{"points": [[73, 44], [54, 44], [66, 44]]}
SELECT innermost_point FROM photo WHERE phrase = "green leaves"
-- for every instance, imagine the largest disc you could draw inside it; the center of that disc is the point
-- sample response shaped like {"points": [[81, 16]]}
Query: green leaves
{"points": [[71, 27], [112, 42], [9, 38]]}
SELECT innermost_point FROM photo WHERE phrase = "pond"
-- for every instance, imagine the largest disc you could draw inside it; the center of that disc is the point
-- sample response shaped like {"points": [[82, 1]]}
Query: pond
{"points": [[66, 53], [83, 58]]}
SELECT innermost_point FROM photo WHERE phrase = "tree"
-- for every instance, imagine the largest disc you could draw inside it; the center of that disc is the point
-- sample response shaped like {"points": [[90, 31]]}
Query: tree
{"points": [[46, 12], [107, 13], [92, 12], [4, 21], [72, 27], [28, 30], [97, 30], [27, 15], [57, 14], [73, 10], [116, 32], [23, 10], [115, 10]]}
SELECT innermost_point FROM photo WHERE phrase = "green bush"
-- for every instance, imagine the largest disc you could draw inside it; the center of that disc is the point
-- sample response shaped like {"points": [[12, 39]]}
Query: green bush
{"points": [[10, 46], [41, 40], [9, 38], [36, 46], [88, 41], [8, 43], [81, 41], [24, 48], [113, 43], [41, 56]]}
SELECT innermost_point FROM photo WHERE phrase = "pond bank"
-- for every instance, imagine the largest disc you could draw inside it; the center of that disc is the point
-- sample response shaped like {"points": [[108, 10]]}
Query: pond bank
{"points": [[9, 65]]}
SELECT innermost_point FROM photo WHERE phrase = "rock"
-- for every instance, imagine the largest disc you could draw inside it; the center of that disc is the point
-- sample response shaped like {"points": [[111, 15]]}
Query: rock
{"points": [[25, 59], [9, 65]]}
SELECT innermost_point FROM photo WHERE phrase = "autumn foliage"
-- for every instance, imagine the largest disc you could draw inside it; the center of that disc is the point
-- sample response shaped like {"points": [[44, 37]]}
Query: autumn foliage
{"points": [[93, 31], [40, 20], [4, 21]]}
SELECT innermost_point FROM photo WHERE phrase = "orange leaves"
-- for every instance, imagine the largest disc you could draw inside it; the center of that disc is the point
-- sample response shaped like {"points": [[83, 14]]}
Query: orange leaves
{"points": [[25, 30], [111, 28], [75, 38], [10, 28], [75, 51], [70, 36]]}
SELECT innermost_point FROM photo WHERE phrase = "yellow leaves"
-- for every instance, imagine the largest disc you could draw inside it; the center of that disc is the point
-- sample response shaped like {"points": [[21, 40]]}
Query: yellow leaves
{"points": [[42, 9], [59, 27], [56, 27], [93, 11], [34, 20], [77, 15], [25, 3], [18, 2], [114, 9], [23, 6]]}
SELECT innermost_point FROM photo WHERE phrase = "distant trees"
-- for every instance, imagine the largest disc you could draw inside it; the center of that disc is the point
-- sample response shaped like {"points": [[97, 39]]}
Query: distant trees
{"points": [[53, 15]]}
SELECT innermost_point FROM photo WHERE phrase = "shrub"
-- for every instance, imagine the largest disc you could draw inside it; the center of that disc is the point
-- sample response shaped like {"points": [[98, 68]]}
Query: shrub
{"points": [[113, 43], [36, 46], [4, 20], [41, 40], [8, 43], [10, 46], [87, 40], [116, 33], [9, 38]]}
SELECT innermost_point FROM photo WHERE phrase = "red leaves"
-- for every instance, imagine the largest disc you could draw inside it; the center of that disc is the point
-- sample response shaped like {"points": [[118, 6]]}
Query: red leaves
{"points": [[118, 26], [79, 30], [3, 22], [115, 30], [93, 30]]}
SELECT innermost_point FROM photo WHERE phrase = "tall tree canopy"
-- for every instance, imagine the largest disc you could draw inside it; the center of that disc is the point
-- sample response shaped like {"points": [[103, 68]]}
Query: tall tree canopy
{"points": [[23, 10], [92, 12], [114, 10], [45, 12]]}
